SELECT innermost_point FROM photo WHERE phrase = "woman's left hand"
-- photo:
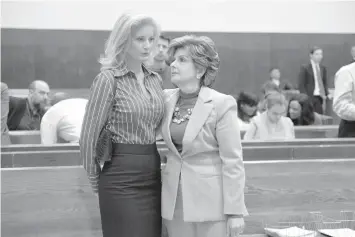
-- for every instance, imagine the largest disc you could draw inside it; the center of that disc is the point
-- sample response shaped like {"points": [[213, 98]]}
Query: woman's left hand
{"points": [[235, 226]]}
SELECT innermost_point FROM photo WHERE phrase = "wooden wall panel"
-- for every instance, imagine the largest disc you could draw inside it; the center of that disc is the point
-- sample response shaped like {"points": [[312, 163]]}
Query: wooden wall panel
{"points": [[68, 58]]}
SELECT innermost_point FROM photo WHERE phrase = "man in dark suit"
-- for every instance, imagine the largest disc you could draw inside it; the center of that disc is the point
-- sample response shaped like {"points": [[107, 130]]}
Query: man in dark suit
{"points": [[26, 113], [312, 80]]}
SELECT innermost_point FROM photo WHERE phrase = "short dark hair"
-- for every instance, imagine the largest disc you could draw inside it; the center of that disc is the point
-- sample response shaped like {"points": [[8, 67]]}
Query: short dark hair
{"points": [[247, 99], [314, 49], [164, 37]]}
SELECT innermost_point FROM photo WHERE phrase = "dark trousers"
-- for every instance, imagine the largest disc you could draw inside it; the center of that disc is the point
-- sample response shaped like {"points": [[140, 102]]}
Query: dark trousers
{"points": [[317, 102], [346, 129]]}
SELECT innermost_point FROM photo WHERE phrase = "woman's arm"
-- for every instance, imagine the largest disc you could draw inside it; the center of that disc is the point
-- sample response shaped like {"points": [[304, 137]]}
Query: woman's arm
{"points": [[230, 151], [96, 114]]}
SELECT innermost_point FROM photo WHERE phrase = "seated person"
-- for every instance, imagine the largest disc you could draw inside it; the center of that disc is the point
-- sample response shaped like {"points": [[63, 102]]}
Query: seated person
{"points": [[26, 113], [268, 87], [62, 122], [247, 108], [275, 77], [301, 112], [271, 124], [5, 138]]}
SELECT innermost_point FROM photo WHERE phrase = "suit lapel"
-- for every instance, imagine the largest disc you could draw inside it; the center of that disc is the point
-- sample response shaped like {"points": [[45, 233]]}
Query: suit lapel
{"points": [[165, 130], [310, 70], [198, 118]]}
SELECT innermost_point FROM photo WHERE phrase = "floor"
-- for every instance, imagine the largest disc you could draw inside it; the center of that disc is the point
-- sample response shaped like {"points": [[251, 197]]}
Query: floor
{"points": [[57, 201]]}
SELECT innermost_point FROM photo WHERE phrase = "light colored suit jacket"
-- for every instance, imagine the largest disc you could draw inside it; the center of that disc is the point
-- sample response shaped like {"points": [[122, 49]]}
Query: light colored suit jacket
{"points": [[344, 93], [211, 162]]}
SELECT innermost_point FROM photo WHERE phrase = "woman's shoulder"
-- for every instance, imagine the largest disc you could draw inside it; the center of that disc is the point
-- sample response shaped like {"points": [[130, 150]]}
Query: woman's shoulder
{"points": [[216, 95], [105, 74], [219, 99], [169, 92]]}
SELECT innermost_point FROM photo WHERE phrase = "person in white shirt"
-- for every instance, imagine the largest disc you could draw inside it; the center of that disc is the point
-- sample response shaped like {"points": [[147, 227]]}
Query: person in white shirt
{"points": [[62, 122], [344, 100]]}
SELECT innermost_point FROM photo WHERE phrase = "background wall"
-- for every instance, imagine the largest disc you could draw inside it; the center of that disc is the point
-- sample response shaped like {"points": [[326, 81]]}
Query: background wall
{"points": [[60, 42]]}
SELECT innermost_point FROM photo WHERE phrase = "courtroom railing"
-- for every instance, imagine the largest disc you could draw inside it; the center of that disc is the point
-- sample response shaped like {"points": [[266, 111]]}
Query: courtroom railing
{"points": [[301, 149], [25, 137], [326, 131]]}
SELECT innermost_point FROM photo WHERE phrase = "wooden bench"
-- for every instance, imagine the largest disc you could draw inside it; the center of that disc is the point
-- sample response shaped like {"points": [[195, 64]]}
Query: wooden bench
{"points": [[68, 154], [25, 137], [74, 93], [327, 131]]}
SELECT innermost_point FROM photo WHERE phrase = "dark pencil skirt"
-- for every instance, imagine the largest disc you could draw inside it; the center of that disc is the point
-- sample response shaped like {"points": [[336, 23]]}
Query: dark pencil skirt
{"points": [[130, 192]]}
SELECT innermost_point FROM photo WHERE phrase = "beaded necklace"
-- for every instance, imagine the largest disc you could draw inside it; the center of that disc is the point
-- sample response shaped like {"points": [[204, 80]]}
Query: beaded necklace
{"points": [[177, 116]]}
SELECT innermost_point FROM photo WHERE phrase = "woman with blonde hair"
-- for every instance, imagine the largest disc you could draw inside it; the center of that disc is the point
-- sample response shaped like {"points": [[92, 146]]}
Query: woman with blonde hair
{"points": [[272, 123], [125, 108], [204, 177]]}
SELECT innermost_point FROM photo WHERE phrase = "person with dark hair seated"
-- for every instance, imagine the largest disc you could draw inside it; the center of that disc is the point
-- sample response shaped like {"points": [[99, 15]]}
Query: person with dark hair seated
{"points": [[301, 112], [247, 108]]}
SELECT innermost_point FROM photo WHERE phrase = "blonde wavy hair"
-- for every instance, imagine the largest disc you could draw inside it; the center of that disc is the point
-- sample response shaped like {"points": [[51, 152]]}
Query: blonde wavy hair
{"points": [[203, 53], [120, 38]]}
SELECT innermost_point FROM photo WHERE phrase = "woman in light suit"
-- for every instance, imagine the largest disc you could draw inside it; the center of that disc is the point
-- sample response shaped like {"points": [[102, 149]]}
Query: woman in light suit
{"points": [[204, 178]]}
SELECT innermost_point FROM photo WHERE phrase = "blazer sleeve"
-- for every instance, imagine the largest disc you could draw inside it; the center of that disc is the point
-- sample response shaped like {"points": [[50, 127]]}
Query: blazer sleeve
{"points": [[302, 80], [230, 150], [343, 104], [96, 114]]}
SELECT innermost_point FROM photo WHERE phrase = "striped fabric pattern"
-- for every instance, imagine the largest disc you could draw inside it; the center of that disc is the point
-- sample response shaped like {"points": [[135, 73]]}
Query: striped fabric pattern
{"points": [[134, 119]]}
